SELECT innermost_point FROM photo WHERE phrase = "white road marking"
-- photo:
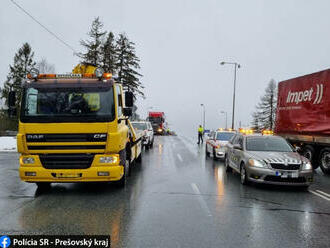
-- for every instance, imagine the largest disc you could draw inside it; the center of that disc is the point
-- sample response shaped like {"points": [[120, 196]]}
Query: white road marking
{"points": [[322, 193], [179, 157], [318, 194], [200, 199]]}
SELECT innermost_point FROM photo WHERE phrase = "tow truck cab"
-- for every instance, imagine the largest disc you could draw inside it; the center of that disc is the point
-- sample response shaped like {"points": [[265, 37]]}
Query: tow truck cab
{"points": [[75, 128]]}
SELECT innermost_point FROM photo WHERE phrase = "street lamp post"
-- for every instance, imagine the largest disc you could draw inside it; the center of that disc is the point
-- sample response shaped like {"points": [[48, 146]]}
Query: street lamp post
{"points": [[203, 116], [236, 65], [224, 112]]}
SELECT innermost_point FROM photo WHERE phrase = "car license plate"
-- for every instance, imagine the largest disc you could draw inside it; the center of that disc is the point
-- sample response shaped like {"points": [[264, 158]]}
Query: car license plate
{"points": [[294, 174], [286, 174]]}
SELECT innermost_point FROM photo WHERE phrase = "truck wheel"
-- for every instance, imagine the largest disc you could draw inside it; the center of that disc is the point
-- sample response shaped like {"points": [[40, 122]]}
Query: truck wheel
{"points": [[139, 158], [309, 153], [122, 182], [325, 161]]}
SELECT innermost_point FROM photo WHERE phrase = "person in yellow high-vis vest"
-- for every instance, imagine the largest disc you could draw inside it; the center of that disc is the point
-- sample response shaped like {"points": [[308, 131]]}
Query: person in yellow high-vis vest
{"points": [[200, 134]]}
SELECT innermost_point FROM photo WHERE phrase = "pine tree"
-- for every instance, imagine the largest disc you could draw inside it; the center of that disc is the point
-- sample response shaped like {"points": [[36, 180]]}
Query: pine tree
{"points": [[108, 50], [127, 65], [266, 108], [93, 46], [255, 122], [23, 63]]}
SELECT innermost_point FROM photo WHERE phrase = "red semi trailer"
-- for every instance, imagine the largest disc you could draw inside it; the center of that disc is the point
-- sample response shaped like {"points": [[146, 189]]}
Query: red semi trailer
{"points": [[303, 116]]}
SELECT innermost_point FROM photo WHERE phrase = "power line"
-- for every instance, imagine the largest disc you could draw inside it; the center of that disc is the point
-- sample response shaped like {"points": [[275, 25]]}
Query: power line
{"points": [[44, 27]]}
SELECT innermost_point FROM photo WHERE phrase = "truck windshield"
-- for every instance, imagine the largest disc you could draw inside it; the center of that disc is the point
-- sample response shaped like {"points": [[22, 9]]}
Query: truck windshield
{"points": [[67, 104], [273, 144], [157, 120]]}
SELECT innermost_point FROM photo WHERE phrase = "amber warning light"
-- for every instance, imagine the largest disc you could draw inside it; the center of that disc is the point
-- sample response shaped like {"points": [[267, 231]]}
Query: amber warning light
{"points": [[36, 76]]}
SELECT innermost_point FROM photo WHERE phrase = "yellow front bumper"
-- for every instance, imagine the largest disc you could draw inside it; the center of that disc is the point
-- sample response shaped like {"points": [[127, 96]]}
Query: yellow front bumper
{"points": [[40, 174]]}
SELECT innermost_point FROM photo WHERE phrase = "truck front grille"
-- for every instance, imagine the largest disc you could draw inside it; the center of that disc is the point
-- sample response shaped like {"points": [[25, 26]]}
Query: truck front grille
{"points": [[67, 147], [66, 161], [285, 167], [67, 137]]}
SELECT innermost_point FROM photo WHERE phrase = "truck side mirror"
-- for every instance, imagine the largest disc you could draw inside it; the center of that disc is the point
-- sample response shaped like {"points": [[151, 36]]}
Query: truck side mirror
{"points": [[129, 99], [12, 111], [127, 111], [11, 99]]}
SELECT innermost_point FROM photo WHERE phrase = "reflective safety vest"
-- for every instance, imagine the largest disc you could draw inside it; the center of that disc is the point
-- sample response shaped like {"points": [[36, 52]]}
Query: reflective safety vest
{"points": [[200, 130]]}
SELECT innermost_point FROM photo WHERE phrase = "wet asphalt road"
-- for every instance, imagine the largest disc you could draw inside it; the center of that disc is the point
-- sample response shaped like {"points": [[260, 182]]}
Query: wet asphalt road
{"points": [[175, 198]]}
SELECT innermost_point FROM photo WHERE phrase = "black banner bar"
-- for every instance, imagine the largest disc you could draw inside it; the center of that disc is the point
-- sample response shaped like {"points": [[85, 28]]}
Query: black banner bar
{"points": [[84, 241]]}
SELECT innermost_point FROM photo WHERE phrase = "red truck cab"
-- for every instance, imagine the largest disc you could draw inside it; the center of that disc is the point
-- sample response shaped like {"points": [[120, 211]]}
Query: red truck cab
{"points": [[157, 120]]}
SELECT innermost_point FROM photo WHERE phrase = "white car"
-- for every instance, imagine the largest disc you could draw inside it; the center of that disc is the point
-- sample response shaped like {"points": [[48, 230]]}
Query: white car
{"points": [[217, 142], [148, 133]]}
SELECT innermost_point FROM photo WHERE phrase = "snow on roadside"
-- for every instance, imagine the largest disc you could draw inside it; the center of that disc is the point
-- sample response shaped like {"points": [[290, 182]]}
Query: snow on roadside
{"points": [[7, 144]]}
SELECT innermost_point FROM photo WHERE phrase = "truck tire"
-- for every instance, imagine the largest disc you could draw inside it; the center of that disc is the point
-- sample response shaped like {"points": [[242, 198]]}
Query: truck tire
{"points": [[122, 182], [324, 160], [139, 158], [147, 146], [309, 153]]}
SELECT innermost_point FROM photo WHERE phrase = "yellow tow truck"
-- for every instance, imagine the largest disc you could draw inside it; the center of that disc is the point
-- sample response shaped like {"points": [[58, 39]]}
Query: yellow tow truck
{"points": [[75, 128]]}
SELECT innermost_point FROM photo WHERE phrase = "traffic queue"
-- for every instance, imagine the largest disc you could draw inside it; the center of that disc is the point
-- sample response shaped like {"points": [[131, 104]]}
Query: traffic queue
{"points": [[259, 157]]}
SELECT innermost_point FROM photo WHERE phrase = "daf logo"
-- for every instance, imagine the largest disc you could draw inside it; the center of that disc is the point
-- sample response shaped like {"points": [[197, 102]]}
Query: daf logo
{"points": [[100, 136], [35, 136]]}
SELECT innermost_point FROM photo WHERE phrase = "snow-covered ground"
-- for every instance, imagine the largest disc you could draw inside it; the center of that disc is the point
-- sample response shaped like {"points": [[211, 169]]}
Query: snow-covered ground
{"points": [[7, 144]]}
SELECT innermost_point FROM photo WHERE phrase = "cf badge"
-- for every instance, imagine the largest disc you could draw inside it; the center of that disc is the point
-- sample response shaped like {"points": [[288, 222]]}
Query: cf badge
{"points": [[100, 136]]}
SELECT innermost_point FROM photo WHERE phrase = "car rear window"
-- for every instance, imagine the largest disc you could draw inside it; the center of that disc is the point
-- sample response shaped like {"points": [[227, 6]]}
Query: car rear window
{"points": [[224, 136], [139, 126]]}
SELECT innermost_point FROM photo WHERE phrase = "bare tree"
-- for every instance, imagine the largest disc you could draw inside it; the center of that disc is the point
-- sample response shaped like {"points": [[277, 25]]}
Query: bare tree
{"points": [[44, 67]]}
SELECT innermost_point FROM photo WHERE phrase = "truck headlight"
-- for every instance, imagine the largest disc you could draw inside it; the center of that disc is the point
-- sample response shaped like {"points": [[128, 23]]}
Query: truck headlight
{"points": [[108, 159], [257, 163], [28, 160], [307, 166]]}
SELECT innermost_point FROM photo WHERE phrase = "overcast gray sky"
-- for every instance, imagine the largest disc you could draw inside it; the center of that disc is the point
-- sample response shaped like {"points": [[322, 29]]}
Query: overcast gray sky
{"points": [[181, 44]]}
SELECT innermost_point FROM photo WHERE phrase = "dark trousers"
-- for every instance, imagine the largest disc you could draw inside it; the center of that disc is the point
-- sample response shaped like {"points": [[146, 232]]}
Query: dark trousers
{"points": [[200, 137]]}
